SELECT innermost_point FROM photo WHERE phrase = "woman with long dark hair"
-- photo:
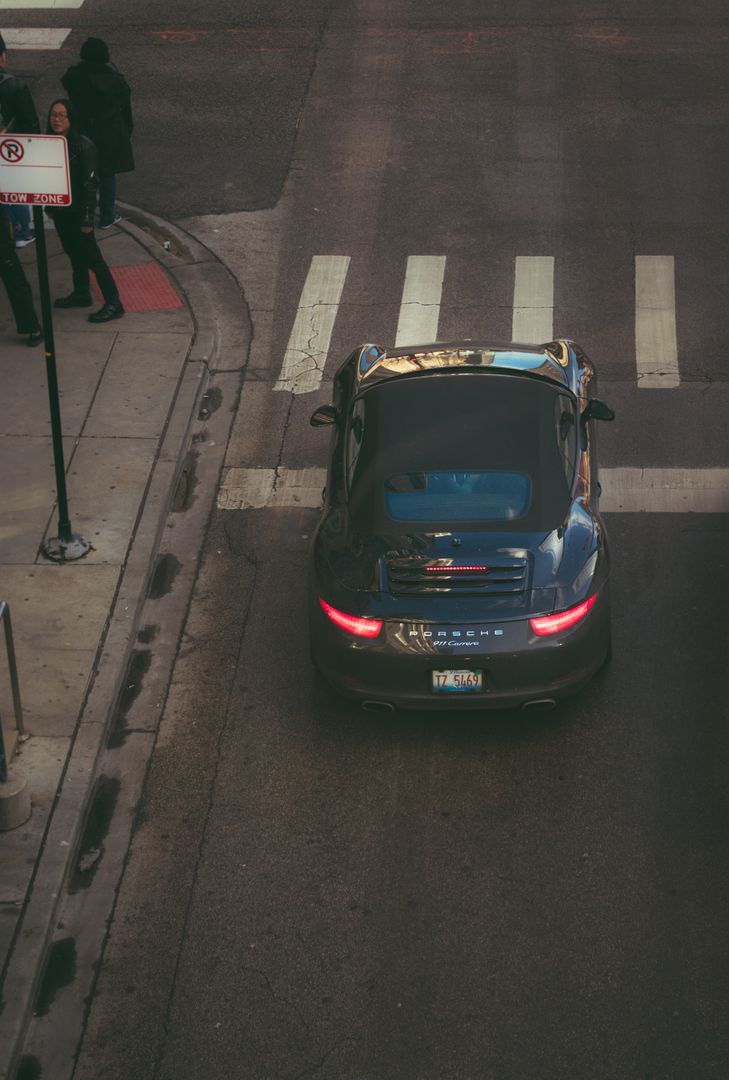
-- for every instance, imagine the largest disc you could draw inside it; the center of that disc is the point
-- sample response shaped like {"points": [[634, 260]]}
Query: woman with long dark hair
{"points": [[75, 223]]}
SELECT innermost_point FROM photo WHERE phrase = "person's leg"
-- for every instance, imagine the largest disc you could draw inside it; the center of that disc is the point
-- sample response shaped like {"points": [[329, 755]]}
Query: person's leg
{"points": [[16, 285], [19, 217], [95, 261], [69, 232], [112, 308], [107, 200]]}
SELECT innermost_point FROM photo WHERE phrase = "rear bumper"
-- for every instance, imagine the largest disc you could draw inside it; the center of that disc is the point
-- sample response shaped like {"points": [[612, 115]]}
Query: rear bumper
{"points": [[518, 671]]}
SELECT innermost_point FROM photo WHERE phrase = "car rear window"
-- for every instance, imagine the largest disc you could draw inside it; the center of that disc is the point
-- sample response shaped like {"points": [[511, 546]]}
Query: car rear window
{"points": [[476, 495], [463, 448]]}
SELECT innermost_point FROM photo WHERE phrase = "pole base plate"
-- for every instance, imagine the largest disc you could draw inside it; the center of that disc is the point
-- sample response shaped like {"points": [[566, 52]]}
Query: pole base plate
{"points": [[60, 550]]}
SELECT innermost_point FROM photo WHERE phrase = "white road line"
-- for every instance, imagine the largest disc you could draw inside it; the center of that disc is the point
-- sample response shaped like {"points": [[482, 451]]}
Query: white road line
{"points": [[420, 307], [533, 312], [665, 491], [252, 489], [624, 490], [34, 38], [306, 353], [38, 4], [656, 349]]}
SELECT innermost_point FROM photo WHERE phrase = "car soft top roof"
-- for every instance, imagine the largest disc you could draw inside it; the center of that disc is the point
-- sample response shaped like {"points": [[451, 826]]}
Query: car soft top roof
{"points": [[460, 424], [554, 361]]}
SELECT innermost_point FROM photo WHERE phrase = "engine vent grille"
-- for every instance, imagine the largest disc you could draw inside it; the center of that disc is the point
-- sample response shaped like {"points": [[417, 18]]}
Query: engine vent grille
{"points": [[432, 577]]}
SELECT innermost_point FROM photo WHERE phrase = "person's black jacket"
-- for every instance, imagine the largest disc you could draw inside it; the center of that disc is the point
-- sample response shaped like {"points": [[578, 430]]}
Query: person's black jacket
{"points": [[17, 111], [103, 102], [84, 179]]}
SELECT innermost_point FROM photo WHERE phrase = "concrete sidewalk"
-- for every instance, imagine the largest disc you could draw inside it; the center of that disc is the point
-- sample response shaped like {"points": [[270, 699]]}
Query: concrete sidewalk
{"points": [[132, 392]]}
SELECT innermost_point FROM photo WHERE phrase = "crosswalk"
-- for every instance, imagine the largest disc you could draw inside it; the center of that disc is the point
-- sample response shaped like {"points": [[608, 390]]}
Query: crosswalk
{"points": [[38, 39], [533, 301]]}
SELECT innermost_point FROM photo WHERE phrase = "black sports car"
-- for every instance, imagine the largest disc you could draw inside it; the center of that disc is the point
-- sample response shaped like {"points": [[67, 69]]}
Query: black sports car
{"points": [[460, 561]]}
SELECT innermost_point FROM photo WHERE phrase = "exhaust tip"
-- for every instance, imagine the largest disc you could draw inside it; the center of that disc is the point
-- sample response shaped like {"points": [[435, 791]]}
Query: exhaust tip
{"points": [[378, 706], [539, 705]]}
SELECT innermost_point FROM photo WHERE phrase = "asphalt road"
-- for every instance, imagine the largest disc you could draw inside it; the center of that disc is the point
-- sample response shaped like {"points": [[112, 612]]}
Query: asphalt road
{"points": [[315, 892]]}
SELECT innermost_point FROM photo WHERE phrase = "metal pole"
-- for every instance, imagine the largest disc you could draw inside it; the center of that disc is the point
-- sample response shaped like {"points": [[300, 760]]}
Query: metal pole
{"points": [[67, 545], [12, 668], [3, 758]]}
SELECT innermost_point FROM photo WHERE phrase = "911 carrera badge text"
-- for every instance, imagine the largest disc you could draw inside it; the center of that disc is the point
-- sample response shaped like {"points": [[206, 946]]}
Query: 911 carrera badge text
{"points": [[450, 643]]}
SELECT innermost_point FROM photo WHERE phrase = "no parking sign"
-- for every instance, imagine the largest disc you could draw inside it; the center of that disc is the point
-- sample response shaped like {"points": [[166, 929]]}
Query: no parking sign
{"points": [[34, 170]]}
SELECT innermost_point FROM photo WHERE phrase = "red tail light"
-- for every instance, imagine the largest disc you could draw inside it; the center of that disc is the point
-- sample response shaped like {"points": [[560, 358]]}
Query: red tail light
{"points": [[563, 620], [353, 624]]}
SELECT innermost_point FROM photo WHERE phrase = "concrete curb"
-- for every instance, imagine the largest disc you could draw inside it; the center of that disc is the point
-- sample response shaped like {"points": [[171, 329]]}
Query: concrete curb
{"points": [[220, 333]]}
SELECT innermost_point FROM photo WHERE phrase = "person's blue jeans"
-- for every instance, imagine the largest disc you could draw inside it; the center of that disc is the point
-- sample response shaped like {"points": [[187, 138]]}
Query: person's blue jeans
{"points": [[107, 198], [19, 218]]}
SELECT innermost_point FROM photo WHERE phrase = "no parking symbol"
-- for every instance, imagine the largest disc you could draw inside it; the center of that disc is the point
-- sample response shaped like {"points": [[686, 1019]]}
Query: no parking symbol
{"points": [[11, 150]]}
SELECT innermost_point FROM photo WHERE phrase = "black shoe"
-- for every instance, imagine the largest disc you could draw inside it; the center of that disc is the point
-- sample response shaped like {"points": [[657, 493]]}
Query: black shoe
{"points": [[74, 300], [35, 337], [108, 312]]}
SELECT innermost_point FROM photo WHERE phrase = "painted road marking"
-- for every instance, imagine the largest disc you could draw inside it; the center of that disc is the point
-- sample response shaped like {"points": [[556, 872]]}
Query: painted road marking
{"points": [[533, 312], [656, 349], [253, 489], [532, 315], [306, 353], [45, 4], [420, 306], [624, 490], [665, 491], [34, 38]]}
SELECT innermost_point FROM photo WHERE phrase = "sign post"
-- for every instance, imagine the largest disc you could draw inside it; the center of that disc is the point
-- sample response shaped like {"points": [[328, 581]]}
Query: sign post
{"points": [[34, 172]]}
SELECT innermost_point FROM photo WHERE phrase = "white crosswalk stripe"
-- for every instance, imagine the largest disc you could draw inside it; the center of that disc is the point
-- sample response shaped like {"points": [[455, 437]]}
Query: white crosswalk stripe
{"points": [[420, 307], [253, 489], [624, 490], [533, 310], [656, 349], [306, 354], [35, 38], [665, 491], [46, 5]]}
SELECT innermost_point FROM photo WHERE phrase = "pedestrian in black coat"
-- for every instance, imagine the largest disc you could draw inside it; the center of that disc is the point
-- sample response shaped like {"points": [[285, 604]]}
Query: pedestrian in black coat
{"points": [[75, 223], [103, 102], [17, 115], [17, 111]]}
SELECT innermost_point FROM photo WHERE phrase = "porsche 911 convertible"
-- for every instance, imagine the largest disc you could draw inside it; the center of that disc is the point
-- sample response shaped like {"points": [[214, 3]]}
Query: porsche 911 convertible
{"points": [[461, 561]]}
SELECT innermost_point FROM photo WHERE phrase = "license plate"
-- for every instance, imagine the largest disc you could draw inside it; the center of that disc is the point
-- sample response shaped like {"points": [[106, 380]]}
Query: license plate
{"points": [[455, 681]]}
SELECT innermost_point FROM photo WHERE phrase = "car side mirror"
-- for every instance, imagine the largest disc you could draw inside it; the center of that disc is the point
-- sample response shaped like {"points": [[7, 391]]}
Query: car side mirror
{"points": [[597, 410], [325, 414]]}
